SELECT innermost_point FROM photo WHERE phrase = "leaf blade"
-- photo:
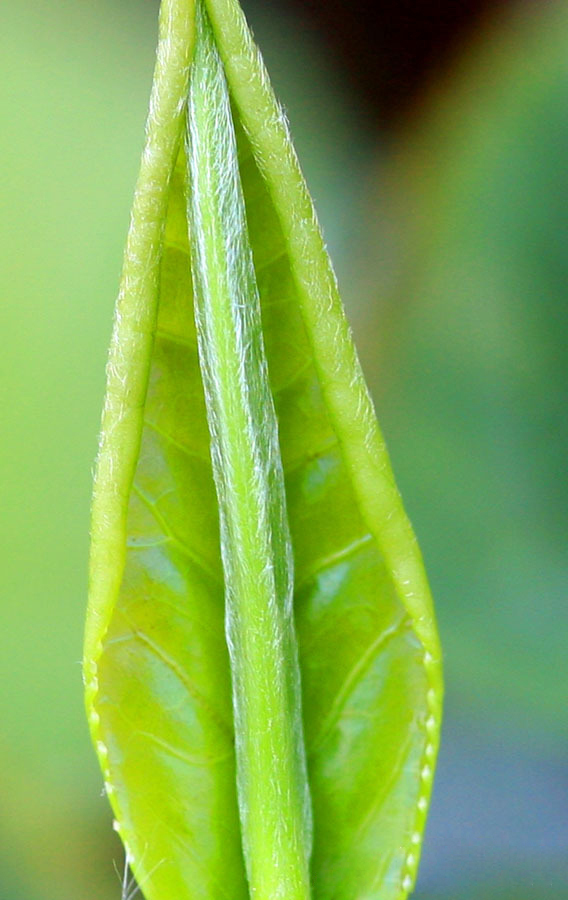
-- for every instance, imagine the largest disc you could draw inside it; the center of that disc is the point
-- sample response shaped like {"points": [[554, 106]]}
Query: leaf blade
{"points": [[362, 448], [368, 647], [148, 752]]}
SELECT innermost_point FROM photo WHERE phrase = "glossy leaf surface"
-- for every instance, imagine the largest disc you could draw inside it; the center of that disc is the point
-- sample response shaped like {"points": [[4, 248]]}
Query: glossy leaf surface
{"points": [[157, 667]]}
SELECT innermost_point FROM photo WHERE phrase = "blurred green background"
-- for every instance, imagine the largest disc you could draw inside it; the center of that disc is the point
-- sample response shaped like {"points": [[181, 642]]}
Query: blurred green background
{"points": [[448, 222]]}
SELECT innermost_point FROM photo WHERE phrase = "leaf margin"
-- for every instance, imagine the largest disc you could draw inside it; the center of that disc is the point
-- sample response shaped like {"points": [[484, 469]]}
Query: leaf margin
{"points": [[130, 352]]}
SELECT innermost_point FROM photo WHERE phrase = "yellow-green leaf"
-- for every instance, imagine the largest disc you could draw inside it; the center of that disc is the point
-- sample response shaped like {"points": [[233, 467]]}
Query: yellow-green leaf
{"points": [[294, 538]]}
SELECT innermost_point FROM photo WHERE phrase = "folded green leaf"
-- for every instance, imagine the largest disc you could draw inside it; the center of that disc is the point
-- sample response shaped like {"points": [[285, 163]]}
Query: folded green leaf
{"points": [[240, 468]]}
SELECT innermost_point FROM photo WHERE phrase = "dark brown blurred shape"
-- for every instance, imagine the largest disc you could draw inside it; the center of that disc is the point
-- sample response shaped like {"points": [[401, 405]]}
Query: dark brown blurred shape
{"points": [[390, 51]]}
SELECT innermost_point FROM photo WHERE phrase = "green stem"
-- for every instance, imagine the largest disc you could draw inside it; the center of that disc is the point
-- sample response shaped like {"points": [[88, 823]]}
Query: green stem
{"points": [[256, 549]]}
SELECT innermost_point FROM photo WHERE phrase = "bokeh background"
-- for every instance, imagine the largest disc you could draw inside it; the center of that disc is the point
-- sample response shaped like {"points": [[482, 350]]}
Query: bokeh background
{"points": [[435, 139]]}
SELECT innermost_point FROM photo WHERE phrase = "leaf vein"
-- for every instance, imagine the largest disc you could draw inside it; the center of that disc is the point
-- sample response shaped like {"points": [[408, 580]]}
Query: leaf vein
{"points": [[327, 562], [179, 544], [178, 671], [354, 676]]}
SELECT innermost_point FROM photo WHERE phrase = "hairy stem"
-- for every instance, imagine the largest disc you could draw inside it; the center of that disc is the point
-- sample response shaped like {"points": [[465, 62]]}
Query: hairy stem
{"points": [[256, 549]]}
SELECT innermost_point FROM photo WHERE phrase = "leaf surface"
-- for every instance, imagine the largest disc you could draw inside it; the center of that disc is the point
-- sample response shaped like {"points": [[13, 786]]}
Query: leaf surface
{"points": [[157, 667]]}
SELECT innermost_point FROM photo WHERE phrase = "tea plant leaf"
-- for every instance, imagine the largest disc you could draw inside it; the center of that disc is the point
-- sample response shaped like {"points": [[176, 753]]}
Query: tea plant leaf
{"points": [[179, 543]]}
